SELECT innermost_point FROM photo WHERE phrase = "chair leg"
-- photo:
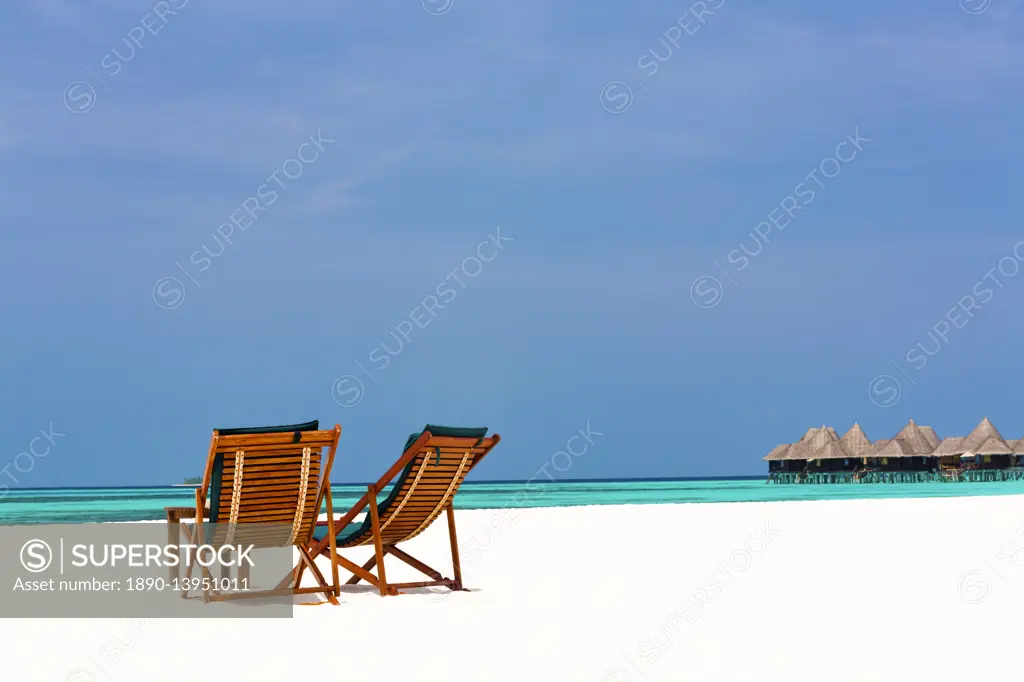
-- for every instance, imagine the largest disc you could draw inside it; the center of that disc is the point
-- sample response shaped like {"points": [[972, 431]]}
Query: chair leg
{"points": [[356, 571], [378, 544], [333, 540], [188, 564], [294, 577], [354, 580], [454, 541], [297, 573], [328, 590]]}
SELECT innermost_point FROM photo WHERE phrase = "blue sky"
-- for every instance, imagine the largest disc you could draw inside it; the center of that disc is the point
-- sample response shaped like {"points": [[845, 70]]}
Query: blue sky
{"points": [[450, 120]]}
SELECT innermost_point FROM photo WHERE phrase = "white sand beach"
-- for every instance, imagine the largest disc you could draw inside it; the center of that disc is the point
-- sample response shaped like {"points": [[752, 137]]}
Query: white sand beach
{"points": [[855, 590]]}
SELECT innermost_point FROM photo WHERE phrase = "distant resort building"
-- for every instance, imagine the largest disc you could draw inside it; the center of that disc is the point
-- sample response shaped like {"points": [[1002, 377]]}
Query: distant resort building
{"points": [[915, 454]]}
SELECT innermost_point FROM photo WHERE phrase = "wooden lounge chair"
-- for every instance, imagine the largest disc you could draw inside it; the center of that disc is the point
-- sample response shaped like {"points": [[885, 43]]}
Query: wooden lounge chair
{"points": [[429, 473], [264, 486]]}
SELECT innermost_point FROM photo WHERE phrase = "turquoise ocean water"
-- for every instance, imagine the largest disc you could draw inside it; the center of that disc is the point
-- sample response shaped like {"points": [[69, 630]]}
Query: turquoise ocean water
{"points": [[80, 505]]}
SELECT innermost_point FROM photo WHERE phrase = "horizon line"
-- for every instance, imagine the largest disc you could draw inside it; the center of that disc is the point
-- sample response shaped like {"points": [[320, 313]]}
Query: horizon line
{"points": [[565, 480]]}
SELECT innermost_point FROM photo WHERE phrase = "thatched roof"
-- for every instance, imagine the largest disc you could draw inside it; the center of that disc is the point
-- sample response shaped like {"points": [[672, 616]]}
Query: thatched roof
{"points": [[993, 446], [855, 441], [982, 433], [799, 451], [823, 442], [917, 441], [821, 436], [810, 434], [949, 446], [897, 447], [929, 433], [876, 446], [831, 450]]}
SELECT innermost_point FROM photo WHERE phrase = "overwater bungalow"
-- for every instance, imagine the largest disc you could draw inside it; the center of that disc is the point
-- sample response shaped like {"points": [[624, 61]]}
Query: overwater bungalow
{"points": [[790, 458], [1018, 452], [948, 453], [892, 455], [914, 454], [831, 456], [910, 450], [777, 461], [986, 447]]}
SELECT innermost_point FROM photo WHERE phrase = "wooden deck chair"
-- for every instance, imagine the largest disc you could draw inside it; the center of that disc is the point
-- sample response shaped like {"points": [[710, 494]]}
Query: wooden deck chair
{"points": [[264, 486], [429, 473]]}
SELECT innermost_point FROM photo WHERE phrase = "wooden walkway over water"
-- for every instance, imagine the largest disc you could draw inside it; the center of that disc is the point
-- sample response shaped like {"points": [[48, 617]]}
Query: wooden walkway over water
{"points": [[850, 477]]}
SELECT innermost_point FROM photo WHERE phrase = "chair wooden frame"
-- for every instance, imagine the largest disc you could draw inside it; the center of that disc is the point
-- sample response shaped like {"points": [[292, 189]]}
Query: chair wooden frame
{"points": [[474, 447], [285, 444]]}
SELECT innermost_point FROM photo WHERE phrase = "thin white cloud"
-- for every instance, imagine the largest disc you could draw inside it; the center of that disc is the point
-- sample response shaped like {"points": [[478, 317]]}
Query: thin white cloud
{"points": [[743, 89]]}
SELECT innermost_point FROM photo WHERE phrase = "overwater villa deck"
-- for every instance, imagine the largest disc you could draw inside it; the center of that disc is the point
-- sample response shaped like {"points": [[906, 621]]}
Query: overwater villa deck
{"points": [[914, 455]]}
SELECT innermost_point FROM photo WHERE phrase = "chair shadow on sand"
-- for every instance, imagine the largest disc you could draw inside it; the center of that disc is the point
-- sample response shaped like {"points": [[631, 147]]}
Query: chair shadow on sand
{"points": [[433, 594]]}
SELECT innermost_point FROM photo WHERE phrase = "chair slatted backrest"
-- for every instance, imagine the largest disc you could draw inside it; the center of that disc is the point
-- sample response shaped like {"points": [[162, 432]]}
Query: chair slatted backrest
{"points": [[266, 488], [427, 484]]}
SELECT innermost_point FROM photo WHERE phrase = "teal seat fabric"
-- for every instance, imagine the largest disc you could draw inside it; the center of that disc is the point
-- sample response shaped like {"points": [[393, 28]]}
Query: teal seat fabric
{"points": [[354, 530], [217, 475], [347, 533]]}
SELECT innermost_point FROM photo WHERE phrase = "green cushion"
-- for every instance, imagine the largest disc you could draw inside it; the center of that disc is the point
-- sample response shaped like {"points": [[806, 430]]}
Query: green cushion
{"points": [[307, 426], [218, 460], [454, 431], [346, 534]]}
